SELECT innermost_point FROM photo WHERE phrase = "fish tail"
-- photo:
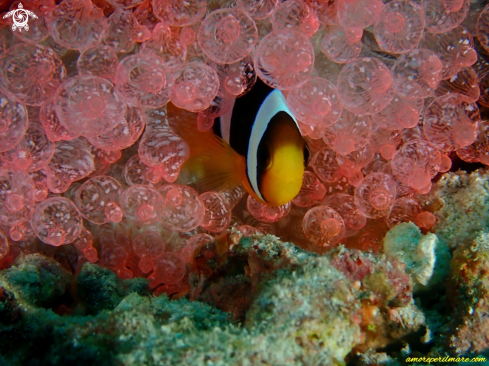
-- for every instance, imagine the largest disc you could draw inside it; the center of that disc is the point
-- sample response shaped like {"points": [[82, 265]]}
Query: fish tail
{"points": [[212, 164]]}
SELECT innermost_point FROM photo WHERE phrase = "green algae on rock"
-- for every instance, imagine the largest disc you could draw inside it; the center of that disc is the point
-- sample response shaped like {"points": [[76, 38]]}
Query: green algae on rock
{"points": [[36, 280], [310, 312], [99, 288]]}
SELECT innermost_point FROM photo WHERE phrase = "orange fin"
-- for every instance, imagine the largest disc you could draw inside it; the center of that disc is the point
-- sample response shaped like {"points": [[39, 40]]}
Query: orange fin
{"points": [[212, 164]]}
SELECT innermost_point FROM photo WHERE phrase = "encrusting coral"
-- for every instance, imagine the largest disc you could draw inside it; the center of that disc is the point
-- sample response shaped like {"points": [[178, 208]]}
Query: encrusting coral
{"points": [[464, 201], [304, 309], [426, 259], [468, 292]]}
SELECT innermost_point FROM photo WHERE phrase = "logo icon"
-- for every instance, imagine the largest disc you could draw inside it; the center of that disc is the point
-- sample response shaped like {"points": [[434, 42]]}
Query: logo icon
{"points": [[20, 17]]}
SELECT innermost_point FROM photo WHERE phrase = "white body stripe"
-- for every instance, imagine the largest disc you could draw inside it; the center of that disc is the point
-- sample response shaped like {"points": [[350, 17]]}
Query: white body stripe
{"points": [[225, 120], [275, 102]]}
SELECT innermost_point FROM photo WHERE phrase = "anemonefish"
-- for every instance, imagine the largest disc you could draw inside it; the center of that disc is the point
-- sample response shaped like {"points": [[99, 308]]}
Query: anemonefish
{"points": [[257, 143]]}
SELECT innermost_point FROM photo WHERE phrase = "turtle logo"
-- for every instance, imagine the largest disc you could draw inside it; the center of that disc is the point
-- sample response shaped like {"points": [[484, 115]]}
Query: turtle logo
{"points": [[20, 17]]}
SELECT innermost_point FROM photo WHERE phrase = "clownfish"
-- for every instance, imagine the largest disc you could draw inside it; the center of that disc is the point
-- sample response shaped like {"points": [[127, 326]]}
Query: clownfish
{"points": [[257, 143]]}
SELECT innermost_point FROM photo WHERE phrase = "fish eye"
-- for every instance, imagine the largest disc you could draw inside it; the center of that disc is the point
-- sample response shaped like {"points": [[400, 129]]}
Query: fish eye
{"points": [[263, 156], [306, 154]]}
